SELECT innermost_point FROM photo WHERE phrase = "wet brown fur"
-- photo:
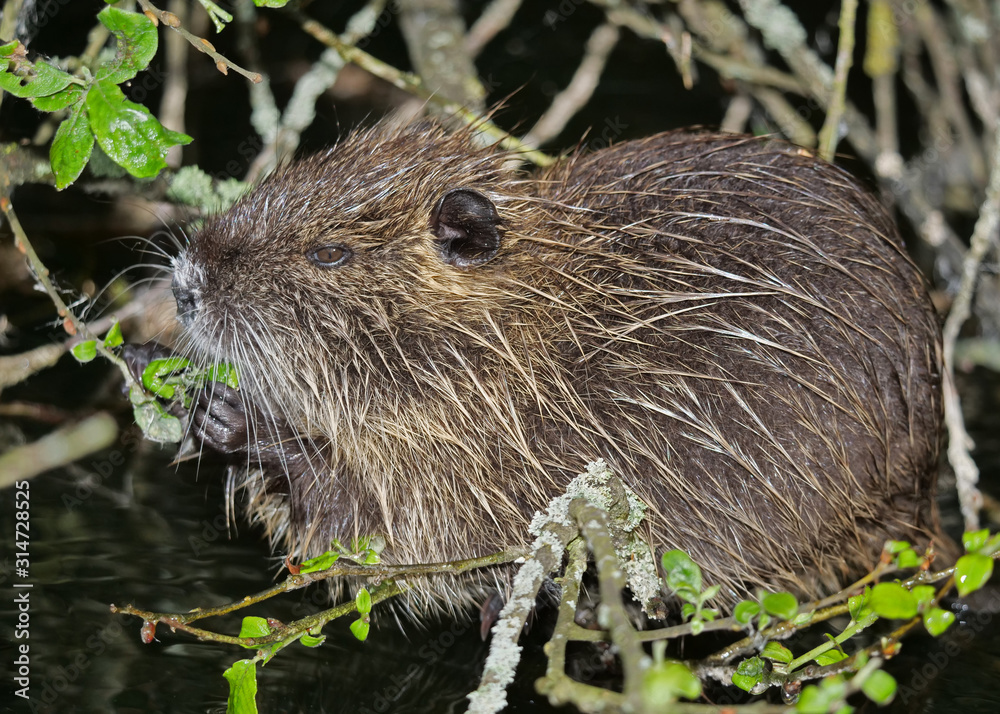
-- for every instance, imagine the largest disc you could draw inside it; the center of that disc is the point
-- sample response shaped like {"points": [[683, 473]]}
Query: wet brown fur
{"points": [[731, 323]]}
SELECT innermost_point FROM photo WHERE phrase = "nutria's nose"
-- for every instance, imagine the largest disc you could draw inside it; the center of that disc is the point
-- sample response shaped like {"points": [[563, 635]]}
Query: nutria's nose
{"points": [[186, 303]]}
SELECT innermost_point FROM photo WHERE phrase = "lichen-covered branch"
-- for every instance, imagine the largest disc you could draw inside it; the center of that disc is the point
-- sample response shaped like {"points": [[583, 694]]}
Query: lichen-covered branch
{"points": [[984, 237]]}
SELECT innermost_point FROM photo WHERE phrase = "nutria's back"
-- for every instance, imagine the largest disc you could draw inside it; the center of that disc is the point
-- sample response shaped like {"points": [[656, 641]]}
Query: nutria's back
{"points": [[731, 323]]}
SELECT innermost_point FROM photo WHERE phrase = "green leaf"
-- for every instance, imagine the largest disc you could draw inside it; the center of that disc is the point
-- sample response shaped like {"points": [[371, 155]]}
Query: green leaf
{"points": [[923, 594], [860, 606], [697, 626], [687, 611], [136, 36], [85, 351], [909, 558], [973, 541], [666, 682], [879, 686], [254, 627], [156, 424], [776, 652], [242, 677], [893, 601], [59, 100], [8, 49], [33, 80], [310, 641], [71, 147], [681, 572], [894, 547], [816, 700], [709, 592], [270, 3], [127, 132], [320, 562], [745, 611], [937, 620], [224, 372], [360, 628], [830, 657], [783, 605], [114, 336], [749, 673], [971, 572], [155, 372], [363, 601]]}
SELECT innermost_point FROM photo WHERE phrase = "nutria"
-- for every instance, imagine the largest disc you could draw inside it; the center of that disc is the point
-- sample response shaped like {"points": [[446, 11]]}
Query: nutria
{"points": [[432, 344]]}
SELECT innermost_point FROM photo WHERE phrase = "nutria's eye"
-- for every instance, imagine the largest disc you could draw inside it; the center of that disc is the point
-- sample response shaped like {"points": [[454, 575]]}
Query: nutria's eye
{"points": [[329, 256]]}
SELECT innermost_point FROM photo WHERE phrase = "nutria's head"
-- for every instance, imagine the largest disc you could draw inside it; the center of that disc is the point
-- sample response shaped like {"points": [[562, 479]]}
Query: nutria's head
{"points": [[329, 276]]}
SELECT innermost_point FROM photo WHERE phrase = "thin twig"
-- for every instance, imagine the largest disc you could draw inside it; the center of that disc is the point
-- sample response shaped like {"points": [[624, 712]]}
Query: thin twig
{"points": [[829, 135], [411, 83], [223, 64], [983, 235], [341, 569], [493, 20], [580, 89]]}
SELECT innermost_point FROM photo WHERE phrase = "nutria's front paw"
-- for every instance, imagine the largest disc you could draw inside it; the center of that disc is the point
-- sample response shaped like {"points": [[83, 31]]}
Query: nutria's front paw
{"points": [[219, 419]]}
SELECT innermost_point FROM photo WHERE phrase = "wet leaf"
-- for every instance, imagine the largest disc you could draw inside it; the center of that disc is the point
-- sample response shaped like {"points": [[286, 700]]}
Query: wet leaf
{"points": [[830, 657], [937, 620], [894, 547], [254, 627], [879, 686], [972, 541], [311, 641], [156, 424], [320, 562], [114, 337], [38, 79], [59, 100], [84, 351], [745, 611], [971, 572], [666, 682], [777, 652], [783, 605], [681, 572], [923, 593], [71, 147], [749, 673], [360, 628], [136, 36], [909, 558], [893, 601], [363, 601], [860, 606], [242, 678], [224, 372], [130, 136]]}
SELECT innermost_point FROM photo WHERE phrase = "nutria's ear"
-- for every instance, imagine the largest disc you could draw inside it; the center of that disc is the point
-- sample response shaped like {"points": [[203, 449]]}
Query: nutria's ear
{"points": [[467, 227]]}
